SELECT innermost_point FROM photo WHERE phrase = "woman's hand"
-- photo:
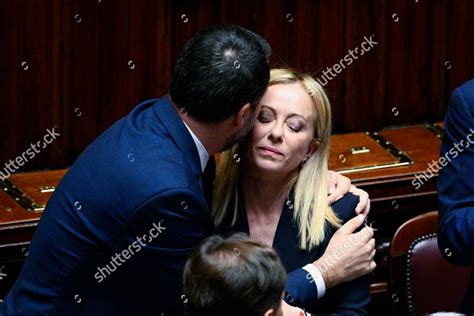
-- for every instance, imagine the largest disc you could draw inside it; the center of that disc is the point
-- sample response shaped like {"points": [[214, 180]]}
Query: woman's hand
{"points": [[339, 185], [349, 255], [289, 310]]}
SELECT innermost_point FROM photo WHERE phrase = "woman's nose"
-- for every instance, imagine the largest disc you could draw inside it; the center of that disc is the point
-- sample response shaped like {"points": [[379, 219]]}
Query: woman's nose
{"points": [[276, 133]]}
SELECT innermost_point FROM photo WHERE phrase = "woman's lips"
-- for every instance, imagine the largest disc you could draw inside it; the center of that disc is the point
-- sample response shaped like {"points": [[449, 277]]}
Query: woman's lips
{"points": [[271, 150]]}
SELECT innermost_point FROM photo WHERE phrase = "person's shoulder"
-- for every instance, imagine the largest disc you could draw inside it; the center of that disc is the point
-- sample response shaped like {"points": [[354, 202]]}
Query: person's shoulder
{"points": [[463, 96], [467, 86], [344, 208]]}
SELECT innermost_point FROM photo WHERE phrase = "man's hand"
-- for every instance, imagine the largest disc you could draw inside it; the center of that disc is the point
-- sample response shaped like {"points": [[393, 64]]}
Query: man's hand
{"points": [[349, 255], [339, 185], [364, 202]]}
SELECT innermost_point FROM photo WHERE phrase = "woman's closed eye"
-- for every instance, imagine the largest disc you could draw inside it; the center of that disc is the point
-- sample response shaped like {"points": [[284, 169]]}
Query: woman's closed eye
{"points": [[265, 117], [295, 126]]}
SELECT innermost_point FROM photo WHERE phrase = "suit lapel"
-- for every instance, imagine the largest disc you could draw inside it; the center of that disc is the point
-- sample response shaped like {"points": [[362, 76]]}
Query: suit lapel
{"points": [[167, 115]]}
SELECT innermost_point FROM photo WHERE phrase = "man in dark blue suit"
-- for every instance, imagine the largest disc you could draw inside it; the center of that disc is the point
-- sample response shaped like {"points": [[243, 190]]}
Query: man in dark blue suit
{"points": [[115, 235], [456, 185]]}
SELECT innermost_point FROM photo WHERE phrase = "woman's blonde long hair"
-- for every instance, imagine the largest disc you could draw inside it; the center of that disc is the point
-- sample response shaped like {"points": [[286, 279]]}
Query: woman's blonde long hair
{"points": [[311, 209]]}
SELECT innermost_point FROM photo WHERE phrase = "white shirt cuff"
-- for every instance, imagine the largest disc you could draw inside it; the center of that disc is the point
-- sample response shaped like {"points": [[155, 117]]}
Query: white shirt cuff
{"points": [[317, 277]]}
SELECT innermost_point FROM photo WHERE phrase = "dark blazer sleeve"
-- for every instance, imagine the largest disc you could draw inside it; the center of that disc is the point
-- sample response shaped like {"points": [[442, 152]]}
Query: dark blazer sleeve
{"points": [[456, 179], [301, 290], [184, 222], [346, 298]]}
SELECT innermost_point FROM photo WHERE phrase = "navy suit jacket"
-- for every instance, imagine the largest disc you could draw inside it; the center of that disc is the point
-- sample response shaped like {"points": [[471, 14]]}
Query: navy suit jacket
{"points": [[456, 185], [116, 233], [348, 298]]}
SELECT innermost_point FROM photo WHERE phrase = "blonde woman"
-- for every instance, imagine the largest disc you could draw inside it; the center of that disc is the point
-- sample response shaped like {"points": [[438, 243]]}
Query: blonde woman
{"points": [[273, 186]]}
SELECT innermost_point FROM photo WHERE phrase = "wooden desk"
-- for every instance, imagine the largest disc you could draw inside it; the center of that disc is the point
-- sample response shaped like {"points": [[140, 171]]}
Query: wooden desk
{"points": [[396, 192]]}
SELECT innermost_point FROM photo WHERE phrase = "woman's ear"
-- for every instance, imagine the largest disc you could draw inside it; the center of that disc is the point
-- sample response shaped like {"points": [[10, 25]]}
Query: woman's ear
{"points": [[312, 147], [269, 312]]}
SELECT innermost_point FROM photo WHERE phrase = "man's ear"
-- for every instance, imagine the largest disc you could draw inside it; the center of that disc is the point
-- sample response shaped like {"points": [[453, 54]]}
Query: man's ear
{"points": [[269, 312], [243, 115]]}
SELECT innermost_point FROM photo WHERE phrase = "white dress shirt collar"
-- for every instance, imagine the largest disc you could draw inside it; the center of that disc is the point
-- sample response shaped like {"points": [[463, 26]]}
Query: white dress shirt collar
{"points": [[203, 155]]}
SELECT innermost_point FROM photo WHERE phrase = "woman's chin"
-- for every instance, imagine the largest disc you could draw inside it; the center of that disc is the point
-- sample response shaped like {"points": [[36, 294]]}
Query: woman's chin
{"points": [[271, 167]]}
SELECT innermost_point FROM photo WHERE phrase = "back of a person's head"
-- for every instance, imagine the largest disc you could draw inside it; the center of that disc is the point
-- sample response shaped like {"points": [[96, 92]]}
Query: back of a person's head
{"points": [[219, 70], [233, 276]]}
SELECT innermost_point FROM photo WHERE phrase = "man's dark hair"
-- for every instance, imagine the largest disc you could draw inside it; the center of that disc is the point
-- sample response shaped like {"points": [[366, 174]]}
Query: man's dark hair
{"points": [[233, 276], [219, 70]]}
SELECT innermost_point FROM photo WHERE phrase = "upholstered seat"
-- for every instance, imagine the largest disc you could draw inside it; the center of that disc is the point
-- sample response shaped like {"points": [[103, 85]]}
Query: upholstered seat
{"points": [[421, 279]]}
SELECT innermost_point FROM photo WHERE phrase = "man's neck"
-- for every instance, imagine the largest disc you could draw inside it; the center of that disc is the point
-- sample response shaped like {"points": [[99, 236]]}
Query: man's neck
{"points": [[213, 136], [202, 131]]}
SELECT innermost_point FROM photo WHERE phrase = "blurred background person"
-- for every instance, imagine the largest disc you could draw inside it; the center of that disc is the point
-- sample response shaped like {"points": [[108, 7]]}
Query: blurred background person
{"points": [[456, 185]]}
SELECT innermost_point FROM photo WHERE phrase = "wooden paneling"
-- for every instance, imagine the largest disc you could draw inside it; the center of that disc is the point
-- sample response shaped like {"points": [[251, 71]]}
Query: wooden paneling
{"points": [[91, 61], [460, 39], [364, 80], [29, 84]]}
